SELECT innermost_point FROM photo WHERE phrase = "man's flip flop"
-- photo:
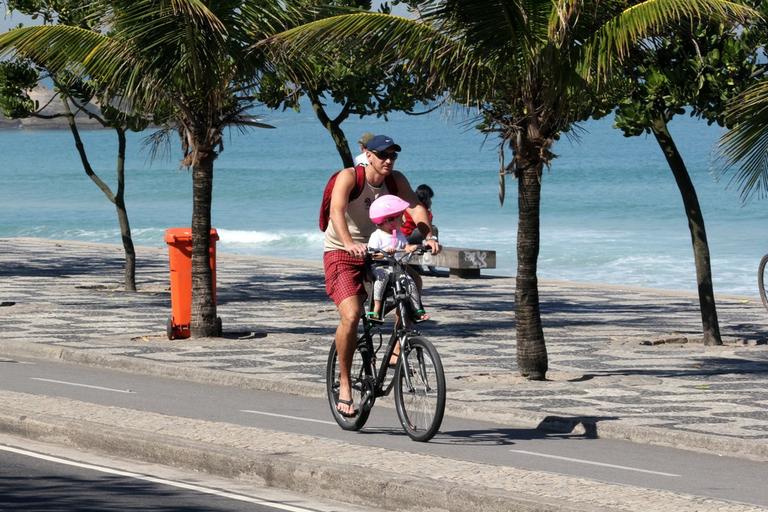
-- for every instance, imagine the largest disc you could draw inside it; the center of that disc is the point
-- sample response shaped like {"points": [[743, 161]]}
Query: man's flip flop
{"points": [[346, 414]]}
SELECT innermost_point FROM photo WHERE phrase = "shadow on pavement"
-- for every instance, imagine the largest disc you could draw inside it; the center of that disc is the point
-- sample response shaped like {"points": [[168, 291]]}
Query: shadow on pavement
{"points": [[699, 368], [552, 427], [48, 493]]}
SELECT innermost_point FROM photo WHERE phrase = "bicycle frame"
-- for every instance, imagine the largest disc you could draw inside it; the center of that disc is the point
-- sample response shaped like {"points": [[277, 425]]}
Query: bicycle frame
{"points": [[398, 290], [418, 379]]}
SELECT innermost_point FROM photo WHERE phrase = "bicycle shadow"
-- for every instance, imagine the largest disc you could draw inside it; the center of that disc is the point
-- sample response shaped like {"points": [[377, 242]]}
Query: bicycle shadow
{"points": [[556, 428], [551, 427]]}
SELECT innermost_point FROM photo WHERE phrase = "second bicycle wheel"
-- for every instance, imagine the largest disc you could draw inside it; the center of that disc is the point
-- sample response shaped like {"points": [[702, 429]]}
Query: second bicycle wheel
{"points": [[762, 282], [420, 389], [359, 376]]}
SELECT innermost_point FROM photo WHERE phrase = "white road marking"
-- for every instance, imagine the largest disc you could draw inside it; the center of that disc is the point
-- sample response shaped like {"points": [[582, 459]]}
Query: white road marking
{"points": [[289, 417], [162, 481], [83, 385], [592, 463]]}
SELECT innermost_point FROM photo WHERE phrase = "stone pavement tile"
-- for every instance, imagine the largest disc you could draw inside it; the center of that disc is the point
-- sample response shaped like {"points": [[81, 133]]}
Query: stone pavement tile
{"points": [[626, 355]]}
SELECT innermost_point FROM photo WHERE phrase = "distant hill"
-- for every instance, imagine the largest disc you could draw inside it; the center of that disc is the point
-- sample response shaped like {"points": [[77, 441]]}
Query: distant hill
{"points": [[43, 96]]}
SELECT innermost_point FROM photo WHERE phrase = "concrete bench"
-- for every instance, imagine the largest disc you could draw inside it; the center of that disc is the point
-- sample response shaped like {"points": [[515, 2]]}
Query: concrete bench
{"points": [[460, 262]]}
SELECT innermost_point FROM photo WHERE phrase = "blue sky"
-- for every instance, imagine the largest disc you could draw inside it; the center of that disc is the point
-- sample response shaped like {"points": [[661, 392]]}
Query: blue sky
{"points": [[11, 20]]}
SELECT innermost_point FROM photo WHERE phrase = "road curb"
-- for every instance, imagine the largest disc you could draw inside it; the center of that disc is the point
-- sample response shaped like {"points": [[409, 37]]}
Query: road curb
{"points": [[159, 369], [590, 427], [384, 489]]}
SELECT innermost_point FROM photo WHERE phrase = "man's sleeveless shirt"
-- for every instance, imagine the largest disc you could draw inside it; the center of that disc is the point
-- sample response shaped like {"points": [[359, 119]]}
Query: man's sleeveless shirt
{"points": [[358, 221]]}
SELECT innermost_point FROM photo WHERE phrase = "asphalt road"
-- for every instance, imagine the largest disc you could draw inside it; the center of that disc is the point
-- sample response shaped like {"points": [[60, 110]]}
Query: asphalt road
{"points": [[36, 482], [36, 476], [571, 454]]}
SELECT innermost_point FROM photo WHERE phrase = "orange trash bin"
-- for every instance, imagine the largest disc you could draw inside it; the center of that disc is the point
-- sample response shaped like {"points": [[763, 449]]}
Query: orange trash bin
{"points": [[179, 242]]}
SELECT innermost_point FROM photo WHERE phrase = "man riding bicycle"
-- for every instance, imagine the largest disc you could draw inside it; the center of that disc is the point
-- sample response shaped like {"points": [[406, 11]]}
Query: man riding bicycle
{"points": [[345, 245]]}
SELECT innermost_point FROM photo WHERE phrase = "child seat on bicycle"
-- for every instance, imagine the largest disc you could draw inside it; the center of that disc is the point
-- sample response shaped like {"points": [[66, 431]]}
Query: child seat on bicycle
{"points": [[387, 213]]}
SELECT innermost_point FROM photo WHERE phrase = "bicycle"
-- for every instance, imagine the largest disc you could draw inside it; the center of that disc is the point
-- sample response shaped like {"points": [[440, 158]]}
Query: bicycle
{"points": [[762, 281], [418, 379]]}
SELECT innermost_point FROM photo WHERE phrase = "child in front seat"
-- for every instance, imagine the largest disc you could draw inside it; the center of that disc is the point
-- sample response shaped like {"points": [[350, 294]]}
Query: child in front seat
{"points": [[387, 213]]}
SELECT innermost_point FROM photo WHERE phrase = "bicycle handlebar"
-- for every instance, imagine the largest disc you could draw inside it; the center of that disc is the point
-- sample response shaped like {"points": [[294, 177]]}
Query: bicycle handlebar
{"points": [[393, 257]]}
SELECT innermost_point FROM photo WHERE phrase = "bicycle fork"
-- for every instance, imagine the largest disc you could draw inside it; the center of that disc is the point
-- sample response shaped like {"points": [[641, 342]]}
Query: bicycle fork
{"points": [[407, 369], [366, 377]]}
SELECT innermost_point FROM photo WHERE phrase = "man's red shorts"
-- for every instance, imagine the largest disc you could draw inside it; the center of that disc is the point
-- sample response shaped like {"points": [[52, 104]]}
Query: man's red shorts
{"points": [[344, 275]]}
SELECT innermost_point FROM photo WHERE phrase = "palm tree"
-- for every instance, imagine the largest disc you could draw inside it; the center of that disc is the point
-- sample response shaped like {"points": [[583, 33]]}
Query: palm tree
{"points": [[530, 67], [192, 59]]}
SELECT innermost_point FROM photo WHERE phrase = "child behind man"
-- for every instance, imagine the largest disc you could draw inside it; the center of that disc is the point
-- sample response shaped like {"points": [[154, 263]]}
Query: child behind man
{"points": [[387, 213]]}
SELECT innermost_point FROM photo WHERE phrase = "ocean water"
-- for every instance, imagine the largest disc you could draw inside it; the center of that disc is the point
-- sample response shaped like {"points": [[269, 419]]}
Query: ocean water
{"points": [[611, 211]]}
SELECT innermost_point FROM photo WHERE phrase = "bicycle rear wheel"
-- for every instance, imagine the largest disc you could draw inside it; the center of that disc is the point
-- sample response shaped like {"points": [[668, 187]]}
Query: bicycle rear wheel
{"points": [[361, 388], [420, 405], [762, 281]]}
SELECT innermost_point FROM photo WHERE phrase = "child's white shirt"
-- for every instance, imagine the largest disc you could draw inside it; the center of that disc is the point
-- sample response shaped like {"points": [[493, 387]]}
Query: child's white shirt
{"points": [[382, 240]]}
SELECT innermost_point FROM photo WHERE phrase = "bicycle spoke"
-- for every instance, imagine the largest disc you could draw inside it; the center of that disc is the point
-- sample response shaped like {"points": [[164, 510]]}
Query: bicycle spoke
{"points": [[423, 371], [358, 388], [420, 397]]}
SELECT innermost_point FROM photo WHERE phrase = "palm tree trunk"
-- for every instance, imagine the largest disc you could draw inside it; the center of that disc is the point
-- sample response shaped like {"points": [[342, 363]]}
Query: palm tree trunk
{"points": [[203, 321], [122, 215], [531, 349], [334, 128], [710, 324]]}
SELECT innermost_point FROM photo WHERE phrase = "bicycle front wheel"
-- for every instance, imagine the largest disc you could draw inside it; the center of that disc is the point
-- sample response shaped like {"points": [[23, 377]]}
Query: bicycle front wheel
{"points": [[762, 281], [359, 380], [420, 389]]}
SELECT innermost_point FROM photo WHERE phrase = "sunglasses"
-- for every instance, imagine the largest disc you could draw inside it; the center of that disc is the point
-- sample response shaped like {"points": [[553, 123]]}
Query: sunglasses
{"points": [[389, 155]]}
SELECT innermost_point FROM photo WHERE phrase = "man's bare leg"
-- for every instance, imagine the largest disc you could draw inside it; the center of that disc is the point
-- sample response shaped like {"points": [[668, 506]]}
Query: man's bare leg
{"points": [[350, 310]]}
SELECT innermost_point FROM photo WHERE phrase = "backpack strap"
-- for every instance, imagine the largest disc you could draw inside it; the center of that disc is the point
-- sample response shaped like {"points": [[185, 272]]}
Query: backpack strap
{"points": [[359, 182], [391, 184]]}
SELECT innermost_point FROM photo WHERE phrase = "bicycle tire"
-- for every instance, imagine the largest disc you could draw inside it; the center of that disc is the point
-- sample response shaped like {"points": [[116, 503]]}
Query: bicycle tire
{"points": [[360, 373], [421, 408], [761, 281]]}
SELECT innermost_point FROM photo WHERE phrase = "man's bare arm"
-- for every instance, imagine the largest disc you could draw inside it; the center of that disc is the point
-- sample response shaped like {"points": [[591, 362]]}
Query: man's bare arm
{"points": [[416, 211]]}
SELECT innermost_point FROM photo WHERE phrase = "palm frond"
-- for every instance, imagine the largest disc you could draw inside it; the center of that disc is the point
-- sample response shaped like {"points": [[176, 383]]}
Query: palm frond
{"points": [[76, 51], [58, 46], [262, 19], [420, 47], [148, 53], [615, 38], [493, 25], [743, 150], [195, 10], [172, 36]]}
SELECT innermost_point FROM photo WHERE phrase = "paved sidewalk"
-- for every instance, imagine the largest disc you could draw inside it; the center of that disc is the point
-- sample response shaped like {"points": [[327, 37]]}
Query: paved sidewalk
{"points": [[624, 362], [616, 357]]}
